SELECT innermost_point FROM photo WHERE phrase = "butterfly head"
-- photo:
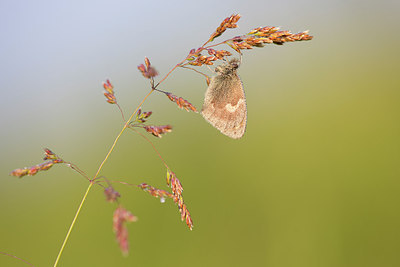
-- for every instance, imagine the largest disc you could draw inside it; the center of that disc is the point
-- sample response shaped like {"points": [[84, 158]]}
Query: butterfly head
{"points": [[228, 68]]}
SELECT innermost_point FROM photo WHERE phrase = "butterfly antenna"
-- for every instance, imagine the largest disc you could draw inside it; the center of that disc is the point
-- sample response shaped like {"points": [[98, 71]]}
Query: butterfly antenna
{"points": [[211, 69]]}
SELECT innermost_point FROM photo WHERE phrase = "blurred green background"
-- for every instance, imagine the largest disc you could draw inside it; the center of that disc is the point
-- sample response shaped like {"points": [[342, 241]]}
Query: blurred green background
{"points": [[314, 181]]}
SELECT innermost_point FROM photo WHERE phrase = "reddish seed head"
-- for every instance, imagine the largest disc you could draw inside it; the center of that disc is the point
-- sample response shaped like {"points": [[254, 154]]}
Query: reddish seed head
{"points": [[19, 172], [47, 165], [108, 86], [147, 62], [111, 194], [109, 94], [269, 35], [49, 154], [177, 190], [229, 22], [147, 71], [182, 103], [157, 131], [151, 72], [35, 169], [120, 218], [147, 114], [141, 68], [155, 192], [142, 117]]}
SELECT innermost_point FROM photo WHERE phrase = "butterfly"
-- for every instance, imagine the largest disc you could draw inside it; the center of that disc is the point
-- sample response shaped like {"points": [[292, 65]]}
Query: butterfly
{"points": [[224, 104]]}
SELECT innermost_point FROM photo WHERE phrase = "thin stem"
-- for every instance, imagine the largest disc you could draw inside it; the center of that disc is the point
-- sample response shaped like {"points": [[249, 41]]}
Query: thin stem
{"points": [[161, 91], [217, 44], [158, 153], [120, 109], [97, 173], [72, 224], [119, 135], [78, 170], [153, 88], [179, 64], [208, 41], [186, 67], [15, 257], [124, 183], [166, 76]]}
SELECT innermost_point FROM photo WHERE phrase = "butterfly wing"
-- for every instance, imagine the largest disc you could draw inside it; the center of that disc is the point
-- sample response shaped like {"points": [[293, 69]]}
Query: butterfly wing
{"points": [[225, 105]]}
